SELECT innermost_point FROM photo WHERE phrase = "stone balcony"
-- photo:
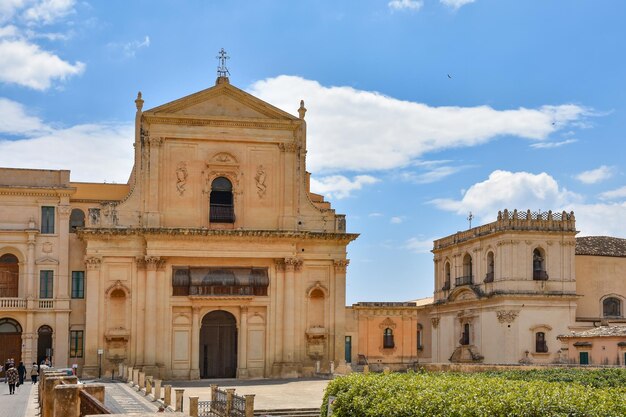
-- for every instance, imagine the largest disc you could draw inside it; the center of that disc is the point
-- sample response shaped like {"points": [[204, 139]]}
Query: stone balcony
{"points": [[19, 304]]}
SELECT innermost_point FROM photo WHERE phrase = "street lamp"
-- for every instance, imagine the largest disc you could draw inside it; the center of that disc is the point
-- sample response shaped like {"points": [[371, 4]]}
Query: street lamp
{"points": [[100, 352]]}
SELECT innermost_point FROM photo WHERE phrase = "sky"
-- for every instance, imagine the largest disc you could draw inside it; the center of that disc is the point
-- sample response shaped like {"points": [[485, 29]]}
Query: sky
{"points": [[419, 111]]}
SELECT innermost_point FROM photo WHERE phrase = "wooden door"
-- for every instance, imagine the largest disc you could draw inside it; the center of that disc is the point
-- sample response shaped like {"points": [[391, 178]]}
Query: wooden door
{"points": [[11, 347], [218, 345], [584, 358]]}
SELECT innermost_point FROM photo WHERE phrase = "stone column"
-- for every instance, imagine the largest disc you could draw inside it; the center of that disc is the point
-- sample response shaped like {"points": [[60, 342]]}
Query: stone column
{"points": [[278, 308], [179, 399], [140, 312], [92, 318], [195, 343], [150, 318], [162, 333], [193, 406], [30, 283], [152, 199], [167, 398], [242, 372], [63, 232], [291, 264], [249, 405], [339, 308]]}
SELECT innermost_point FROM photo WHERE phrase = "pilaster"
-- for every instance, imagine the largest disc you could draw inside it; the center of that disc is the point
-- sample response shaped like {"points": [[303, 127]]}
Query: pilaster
{"points": [[92, 318]]}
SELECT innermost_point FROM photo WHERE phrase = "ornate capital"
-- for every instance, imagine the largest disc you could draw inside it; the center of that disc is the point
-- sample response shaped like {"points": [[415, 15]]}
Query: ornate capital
{"points": [[292, 264], [93, 262], [64, 211], [280, 264], [153, 263], [341, 265], [505, 316], [288, 147], [435, 322], [244, 309], [155, 141]]}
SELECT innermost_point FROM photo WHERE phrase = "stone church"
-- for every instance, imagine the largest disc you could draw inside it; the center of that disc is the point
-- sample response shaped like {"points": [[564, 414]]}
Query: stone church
{"points": [[215, 260]]}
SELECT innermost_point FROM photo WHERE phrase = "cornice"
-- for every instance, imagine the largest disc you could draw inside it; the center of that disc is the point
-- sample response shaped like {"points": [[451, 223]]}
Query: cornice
{"points": [[37, 191], [177, 233], [242, 123]]}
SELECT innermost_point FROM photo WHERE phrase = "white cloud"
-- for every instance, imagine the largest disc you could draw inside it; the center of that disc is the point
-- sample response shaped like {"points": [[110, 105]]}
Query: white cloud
{"points": [[8, 31], [433, 175], [362, 130], [375, 215], [550, 145], [523, 191], [26, 64], [48, 11], [512, 190], [595, 175], [405, 4], [339, 186], [418, 245], [8, 8], [396, 219], [129, 49], [614, 194], [456, 4], [15, 121]]}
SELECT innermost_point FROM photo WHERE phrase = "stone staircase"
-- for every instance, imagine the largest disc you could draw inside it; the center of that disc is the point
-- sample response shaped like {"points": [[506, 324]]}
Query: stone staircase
{"points": [[288, 412]]}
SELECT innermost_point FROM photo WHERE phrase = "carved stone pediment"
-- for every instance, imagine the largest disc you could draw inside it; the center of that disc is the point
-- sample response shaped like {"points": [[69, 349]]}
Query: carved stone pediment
{"points": [[387, 323]]}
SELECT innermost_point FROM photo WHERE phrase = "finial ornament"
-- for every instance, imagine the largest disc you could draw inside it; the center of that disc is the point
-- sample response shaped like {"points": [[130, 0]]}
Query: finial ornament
{"points": [[302, 110], [139, 101], [222, 71]]}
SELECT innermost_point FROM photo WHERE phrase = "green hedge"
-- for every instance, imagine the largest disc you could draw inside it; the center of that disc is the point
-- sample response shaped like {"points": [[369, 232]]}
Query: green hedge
{"points": [[467, 395], [597, 378]]}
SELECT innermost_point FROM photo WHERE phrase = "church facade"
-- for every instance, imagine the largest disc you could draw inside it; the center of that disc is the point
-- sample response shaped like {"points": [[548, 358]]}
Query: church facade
{"points": [[215, 260]]}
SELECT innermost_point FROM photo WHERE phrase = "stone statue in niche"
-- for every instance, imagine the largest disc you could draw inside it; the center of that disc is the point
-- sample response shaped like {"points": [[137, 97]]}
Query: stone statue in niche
{"points": [[110, 213], [260, 177], [94, 216], [181, 177]]}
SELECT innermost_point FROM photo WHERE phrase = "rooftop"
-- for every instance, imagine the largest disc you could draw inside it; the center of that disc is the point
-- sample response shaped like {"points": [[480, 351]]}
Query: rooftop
{"points": [[601, 246], [602, 331]]}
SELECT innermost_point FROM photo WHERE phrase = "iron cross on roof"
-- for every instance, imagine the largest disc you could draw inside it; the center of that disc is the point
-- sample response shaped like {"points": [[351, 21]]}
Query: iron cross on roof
{"points": [[222, 71]]}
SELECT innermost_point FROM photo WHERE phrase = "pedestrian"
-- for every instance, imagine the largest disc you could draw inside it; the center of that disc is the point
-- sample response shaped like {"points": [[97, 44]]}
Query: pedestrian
{"points": [[12, 377], [34, 373], [21, 371]]}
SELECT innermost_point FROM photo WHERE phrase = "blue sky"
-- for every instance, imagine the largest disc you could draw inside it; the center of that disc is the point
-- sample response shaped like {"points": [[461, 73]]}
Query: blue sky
{"points": [[418, 111]]}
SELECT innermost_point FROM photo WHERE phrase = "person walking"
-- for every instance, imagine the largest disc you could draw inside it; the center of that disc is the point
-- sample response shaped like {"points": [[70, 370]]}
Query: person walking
{"points": [[34, 373], [21, 371], [12, 378]]}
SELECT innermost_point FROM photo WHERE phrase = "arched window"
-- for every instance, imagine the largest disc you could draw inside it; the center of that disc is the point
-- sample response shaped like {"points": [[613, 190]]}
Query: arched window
{"points": [[539, 265], [9, 275], [446, 285], [420, 335], [466, 279], [77, 219], [612, 307], [222, 209], [490, 267], [465, 337], [388, 338], [540, 342]]}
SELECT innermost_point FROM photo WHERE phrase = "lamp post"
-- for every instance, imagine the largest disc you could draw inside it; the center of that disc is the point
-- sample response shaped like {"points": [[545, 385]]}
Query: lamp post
{"points": [[100, 352]]}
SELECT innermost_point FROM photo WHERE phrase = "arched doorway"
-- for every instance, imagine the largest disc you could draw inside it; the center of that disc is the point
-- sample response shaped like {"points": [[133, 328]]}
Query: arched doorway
{"points": [[44, 343], [218, 345], [10, 340]]}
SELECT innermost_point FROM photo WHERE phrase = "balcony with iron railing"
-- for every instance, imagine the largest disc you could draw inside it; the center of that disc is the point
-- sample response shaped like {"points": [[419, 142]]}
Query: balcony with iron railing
{"points": [[489, 277], [222, 213], [540, 275], [466, 280], [219, 290]]}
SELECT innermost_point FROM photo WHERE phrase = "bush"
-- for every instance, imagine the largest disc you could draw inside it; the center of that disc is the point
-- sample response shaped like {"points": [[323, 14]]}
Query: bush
{"points": [[597, 378], [468, 395]]}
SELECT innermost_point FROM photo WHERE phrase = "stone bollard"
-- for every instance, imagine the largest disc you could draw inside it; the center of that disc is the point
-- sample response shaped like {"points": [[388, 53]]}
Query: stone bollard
{"points": [[167, 399], [66, 401], [157, 389], [121, 371], [48, 392], [129, 374], [249, 405], [332, 367], [230, 393], [179, 399], [148, 385], [193, 406], [386, 370], [142, 380], [366, 369], [135, 376]]}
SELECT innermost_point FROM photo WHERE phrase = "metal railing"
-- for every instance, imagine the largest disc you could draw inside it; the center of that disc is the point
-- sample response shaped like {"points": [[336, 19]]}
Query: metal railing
{"points": [[540, 275], [466, 280], [222, 213], [89, 405], [238, 408], [225, 290]]}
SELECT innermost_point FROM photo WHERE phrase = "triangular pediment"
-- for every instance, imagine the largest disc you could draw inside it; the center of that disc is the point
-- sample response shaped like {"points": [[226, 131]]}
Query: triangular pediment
{"points": [[221, 101]]}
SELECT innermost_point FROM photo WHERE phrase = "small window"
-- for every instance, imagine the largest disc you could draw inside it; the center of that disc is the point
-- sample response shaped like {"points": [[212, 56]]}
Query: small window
{"points": [[388, 339], [419, 335], [45, 284], [540, 342], [465, 336], [348, 349], [539, 265], [490, 267], [78, 284], [77, 220], [612, 307], [446, 285], [47, 220], [76, 344]]}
